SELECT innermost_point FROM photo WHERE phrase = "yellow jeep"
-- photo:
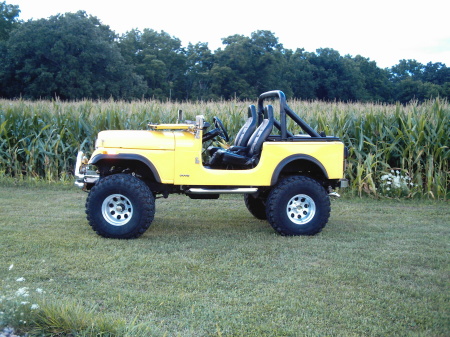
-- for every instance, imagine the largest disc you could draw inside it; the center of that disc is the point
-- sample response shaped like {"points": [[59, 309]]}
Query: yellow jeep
{"points": [[285, 178]]}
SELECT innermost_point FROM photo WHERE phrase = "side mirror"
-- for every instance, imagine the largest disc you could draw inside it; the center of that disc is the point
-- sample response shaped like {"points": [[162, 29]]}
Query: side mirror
{"points": [[199, 122]]}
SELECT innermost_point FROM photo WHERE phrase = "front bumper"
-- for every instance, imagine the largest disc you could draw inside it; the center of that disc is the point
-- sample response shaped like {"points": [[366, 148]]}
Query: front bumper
{"points": [[84, 176]]}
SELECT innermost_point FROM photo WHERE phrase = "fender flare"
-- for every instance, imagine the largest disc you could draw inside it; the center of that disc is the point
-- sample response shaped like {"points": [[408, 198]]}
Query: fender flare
{"points": [[287, 160], [129, 157]]}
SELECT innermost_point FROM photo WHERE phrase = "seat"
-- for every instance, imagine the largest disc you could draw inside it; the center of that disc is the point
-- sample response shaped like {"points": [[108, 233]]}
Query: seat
{"points": [[244, 133], [246, 156]]}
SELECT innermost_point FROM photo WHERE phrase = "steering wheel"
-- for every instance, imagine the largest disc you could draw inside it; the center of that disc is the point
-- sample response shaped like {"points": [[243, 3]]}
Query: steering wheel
{"points": [[219, 125], [218, 131], [210, 135]]}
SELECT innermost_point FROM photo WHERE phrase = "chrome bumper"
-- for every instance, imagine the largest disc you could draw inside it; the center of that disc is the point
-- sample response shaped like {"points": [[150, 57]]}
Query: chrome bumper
{"points": [[83, 175]]}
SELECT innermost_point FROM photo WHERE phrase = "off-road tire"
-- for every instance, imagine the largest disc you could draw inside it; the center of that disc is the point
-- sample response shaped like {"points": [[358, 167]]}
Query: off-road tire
{"points": [[120, 206], [298, 205], [256, 206]]}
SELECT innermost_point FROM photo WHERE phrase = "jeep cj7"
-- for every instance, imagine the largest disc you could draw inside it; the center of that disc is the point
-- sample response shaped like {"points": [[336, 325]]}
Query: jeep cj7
{"points": [[285, 178]]}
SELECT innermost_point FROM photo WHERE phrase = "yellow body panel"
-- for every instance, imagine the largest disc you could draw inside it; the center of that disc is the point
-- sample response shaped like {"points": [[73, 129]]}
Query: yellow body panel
{"points": [[172, 126], [329, 154], [157, 147], [136, 139], [163, 160], [190, 171], [177, 157]]}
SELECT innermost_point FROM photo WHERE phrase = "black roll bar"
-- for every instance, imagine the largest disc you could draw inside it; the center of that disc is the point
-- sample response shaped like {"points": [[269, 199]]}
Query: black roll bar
{"points": [[284, 109]]}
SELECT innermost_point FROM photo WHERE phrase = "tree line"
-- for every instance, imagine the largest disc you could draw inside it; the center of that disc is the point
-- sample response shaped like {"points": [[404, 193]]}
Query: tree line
{"points": [[74, 56]]}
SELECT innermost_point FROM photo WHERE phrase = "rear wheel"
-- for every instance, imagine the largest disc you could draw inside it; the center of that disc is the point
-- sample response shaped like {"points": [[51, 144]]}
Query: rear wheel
{"points": [[256, 206], [298, 206], [120, 206]]}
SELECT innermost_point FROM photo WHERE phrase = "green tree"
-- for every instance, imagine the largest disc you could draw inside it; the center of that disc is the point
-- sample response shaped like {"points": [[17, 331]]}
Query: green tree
{"points": [[8, 22], [407, 69], [199, 62], [233, 65], [338, 77], [301, 75], [409, 89], [436, 73], [159, 58], [70, 56], [272, 63], [376, 81], [413, 80], [227, 84], [259, 62], [9, 19]]}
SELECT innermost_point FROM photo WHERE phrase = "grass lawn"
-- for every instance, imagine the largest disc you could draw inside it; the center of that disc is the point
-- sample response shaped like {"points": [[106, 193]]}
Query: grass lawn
{"points": [[208, 268]]}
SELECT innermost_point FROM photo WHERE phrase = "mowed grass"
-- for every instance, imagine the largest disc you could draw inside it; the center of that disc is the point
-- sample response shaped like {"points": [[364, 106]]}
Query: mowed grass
{"points": [[208, 268]]}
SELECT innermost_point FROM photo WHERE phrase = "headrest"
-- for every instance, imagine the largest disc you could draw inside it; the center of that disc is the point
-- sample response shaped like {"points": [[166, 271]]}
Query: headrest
{"points": [[268, 112], [252, 111]]}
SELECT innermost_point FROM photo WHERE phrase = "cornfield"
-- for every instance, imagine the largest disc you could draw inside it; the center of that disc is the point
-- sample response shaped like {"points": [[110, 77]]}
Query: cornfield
{"points": [[395, 150]]}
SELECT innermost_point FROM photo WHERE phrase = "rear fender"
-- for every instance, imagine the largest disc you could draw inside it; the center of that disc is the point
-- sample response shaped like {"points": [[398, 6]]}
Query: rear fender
{"points": [[302, 163]]}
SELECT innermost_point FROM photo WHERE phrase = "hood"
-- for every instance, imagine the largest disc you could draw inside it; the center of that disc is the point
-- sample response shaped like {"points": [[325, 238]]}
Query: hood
{"points": [[128, 139]]}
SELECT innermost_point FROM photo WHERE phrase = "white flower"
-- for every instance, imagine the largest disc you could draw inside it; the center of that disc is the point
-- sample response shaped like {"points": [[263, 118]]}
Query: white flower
{"points": [[24, 303], [22, 292], [398, 172], [385, 177], [397, 182], [39, 290], [20, 279], [11, 266], [388, 189], [392, 171], [34, 306]]}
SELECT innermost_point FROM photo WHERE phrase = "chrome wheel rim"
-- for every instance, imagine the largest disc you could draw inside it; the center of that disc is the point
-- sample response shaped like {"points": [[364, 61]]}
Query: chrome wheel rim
{"points": [[301, 209], [117, 209]]}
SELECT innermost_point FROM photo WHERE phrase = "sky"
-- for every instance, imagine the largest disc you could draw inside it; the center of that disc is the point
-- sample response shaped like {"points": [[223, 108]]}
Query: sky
{"points": [[385, 31]]}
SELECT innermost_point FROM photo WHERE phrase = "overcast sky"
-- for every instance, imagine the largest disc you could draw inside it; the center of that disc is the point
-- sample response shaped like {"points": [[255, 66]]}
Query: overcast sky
{"points": [[385, 31]]}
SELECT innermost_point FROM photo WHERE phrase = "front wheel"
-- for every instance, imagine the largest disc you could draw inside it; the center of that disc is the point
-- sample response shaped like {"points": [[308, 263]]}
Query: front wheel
{"points": [[298, 206], [120, 206]]}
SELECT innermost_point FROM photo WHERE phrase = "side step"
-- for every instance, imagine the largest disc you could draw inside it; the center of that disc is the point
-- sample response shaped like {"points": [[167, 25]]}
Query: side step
{"points": [[334, 195], [246, 190]]}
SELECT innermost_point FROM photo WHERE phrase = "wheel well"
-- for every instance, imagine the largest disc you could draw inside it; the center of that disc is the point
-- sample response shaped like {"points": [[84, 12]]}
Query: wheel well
{"points": [[301, 165], [109, 166], [118, 163]]}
